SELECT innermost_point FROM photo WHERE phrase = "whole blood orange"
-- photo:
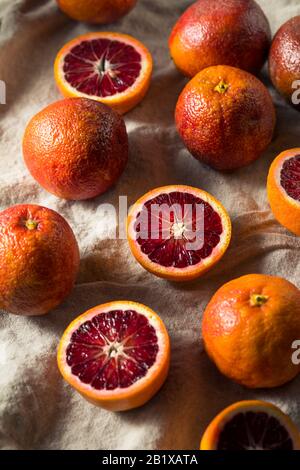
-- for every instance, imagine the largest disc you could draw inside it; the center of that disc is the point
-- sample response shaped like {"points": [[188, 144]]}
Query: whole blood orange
{"points": [[96, 11], [178, 232], [39, 259], [112, 68], [284, 60], [251, 425], [284, 189], [116, 355], [220, 32], [249, 327], [76, 148], [225, 117]]}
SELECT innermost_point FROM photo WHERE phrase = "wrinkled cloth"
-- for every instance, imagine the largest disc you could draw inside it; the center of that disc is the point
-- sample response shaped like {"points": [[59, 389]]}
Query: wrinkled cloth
{"points": [[38, 410]]}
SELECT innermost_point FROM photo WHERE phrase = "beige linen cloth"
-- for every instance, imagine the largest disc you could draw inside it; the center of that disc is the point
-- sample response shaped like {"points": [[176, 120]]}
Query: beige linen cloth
{"points": [[38, 410]]}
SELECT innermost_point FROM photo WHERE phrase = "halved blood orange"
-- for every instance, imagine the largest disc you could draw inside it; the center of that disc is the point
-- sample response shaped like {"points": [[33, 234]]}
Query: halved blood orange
{"points": [[178, 232], [251, 425], [113, 68], [116, 355], [284, 189]]}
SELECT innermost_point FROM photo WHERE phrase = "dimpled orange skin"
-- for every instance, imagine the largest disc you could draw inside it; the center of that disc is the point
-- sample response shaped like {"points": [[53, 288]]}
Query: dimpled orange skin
{"points": [[250, 337], [210, 437], [220, 32], [225, 117], [39, 259], [285, 209], [96, 11], [76, 148], [284, 59]]}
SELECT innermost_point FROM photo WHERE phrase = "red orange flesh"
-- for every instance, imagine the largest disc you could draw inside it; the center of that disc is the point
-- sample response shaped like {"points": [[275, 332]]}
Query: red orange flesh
{"points": [[251, 425], [109, 67], [116, 355], [283, 189], [187, 242]]}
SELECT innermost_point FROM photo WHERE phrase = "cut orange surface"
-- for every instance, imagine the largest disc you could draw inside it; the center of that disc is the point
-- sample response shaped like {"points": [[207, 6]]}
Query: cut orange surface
{"points": [[284, 189], [251, 425], [178, 232], [116, 355], [113, 68]]}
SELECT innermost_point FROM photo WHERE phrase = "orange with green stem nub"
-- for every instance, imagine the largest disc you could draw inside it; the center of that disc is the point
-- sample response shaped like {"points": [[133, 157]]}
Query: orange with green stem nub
{"points": [[249, 327], [236, 111], [39, 259]]}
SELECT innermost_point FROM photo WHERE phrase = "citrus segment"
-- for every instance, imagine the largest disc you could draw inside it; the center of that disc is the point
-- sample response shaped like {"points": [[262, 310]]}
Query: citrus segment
{"points": [[178, 232], [109, 67], [251, 425], [284, 189], [116, 354]]}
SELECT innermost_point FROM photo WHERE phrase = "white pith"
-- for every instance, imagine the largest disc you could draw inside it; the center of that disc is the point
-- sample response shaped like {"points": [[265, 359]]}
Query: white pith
{"points": [[178, 229]]}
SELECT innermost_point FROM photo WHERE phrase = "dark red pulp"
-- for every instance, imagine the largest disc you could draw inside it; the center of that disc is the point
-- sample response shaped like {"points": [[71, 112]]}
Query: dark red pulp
{"points": [[113, 349], [254, 431], [167, 248], [290, 177], [102, 67]]}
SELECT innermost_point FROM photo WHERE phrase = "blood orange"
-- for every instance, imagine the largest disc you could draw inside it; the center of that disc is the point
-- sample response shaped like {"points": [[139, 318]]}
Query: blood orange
{"points": [[109, 67], [251, 425], [220, 32], [248, 329], [284, 60], [284, 189], [39, 259], [116, 355], [178, 232], [225, 117], [76, 148], [96, 11]]}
